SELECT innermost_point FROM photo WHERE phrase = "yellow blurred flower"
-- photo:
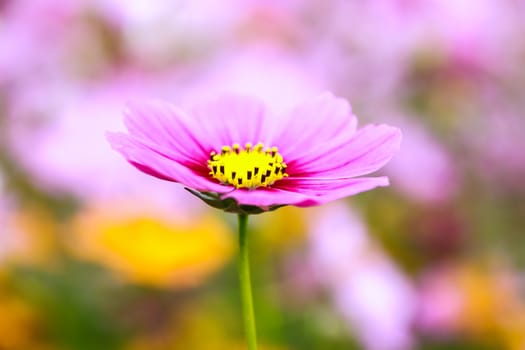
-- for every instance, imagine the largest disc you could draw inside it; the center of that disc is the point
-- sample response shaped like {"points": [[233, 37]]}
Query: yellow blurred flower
{"points": [[491, 305], [151, 246], [20, 326], [15, 323]]}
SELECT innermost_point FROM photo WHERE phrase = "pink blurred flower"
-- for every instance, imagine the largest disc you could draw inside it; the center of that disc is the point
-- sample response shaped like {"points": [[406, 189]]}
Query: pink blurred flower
{"points": [[369, 291], [474, 32], [320, 157], [56, 135], [276, 75], [391, 38], [53, 39], [422, 169], [33, 34], [440, 303], [501, 161]]}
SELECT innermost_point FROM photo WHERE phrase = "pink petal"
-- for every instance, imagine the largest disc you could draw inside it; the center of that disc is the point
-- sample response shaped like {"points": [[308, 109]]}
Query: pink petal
{"points": [[323, 191], [163, 126], [265, 197], [368, 150], [306, 193], [155, 163], [233, 119], [313, 124]]}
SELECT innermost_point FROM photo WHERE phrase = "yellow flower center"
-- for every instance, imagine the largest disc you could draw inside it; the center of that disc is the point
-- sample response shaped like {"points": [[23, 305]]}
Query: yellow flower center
{"points": [[248, 167]]}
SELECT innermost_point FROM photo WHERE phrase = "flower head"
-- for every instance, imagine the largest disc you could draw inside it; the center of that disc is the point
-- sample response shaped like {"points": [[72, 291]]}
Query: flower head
{"points": [[236, 156]]}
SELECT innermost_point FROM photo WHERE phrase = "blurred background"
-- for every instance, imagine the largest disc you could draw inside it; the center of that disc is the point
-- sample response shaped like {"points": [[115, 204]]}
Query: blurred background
{"points": [[95, 255]]}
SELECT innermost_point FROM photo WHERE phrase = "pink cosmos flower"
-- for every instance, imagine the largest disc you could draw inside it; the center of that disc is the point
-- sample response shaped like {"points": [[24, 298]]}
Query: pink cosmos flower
{"points": [[236, 156]]}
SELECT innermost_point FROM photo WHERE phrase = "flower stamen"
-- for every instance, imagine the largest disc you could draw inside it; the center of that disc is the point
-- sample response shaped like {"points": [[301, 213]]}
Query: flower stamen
{"points": [[248, 167]]}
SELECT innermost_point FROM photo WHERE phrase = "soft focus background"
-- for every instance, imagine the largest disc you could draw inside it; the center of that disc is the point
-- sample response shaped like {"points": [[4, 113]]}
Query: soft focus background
{"points": [[95, 255]]}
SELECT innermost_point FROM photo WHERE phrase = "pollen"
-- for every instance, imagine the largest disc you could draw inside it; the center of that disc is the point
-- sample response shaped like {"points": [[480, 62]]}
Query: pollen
{"points": [[248, 167]]}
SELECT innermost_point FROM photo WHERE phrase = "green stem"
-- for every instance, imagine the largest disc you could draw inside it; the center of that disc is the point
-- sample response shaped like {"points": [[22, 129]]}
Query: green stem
{"points": [[246, 287]]}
